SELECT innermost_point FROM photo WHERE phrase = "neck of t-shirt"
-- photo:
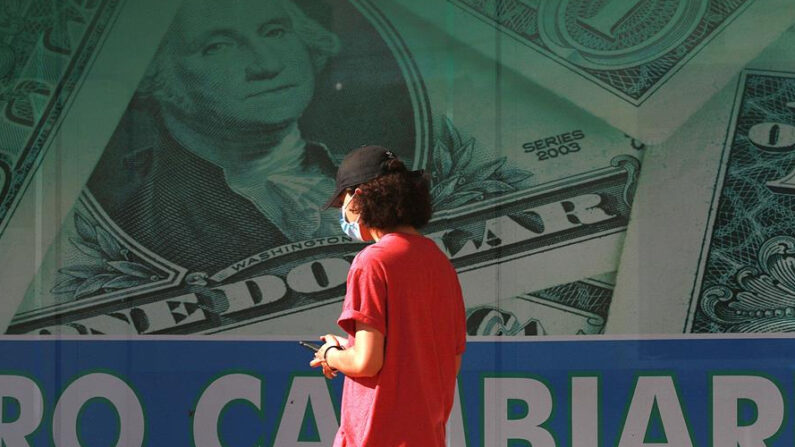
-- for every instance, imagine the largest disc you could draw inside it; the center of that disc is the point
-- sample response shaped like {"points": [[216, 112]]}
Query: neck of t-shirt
{"points": [[408, 230]]}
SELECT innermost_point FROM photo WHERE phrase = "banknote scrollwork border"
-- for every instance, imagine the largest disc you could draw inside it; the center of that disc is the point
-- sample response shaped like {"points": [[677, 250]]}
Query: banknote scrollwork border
{"points": [[632, 166], [765, 299], [491, 320]]}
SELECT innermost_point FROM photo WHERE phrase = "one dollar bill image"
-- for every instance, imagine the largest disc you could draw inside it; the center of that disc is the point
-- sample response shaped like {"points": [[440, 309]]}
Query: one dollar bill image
{"points": [[711, 245], [580, 307], [45, 49], [644, 66], [67, 70], [202, 215], [576, 308]]}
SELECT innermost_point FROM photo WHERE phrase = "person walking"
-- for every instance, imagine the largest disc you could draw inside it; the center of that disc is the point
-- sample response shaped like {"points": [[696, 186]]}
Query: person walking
{"points": [[403, 312]]}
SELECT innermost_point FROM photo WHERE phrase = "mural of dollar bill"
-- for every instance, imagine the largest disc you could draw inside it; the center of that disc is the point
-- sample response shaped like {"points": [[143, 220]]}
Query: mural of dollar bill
{"points": [[67, 71], [627, 61], [44, 51], [579, 307], [722, 259], [202, 215]]}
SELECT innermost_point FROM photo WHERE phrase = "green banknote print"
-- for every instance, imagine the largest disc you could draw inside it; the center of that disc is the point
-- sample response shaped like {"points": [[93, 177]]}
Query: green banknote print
{"points": [[46, 48], [203, 213], [67, 70], [630, 62], [748, 278], [710, 250]]}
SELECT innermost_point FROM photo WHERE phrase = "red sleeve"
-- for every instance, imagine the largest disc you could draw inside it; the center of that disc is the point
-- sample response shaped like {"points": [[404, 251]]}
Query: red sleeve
{"points": [[365, 299]]}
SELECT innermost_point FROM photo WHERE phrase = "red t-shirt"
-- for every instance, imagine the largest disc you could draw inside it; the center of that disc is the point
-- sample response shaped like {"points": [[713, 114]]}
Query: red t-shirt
{"points": [[406, 288]]}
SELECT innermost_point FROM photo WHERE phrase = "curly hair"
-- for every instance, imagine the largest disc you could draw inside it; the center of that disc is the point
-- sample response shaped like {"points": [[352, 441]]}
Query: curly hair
{"points": [[398, 197]]}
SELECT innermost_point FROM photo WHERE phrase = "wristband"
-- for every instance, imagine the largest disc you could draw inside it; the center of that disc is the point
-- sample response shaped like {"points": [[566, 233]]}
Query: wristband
{"points": [[325, 355]]}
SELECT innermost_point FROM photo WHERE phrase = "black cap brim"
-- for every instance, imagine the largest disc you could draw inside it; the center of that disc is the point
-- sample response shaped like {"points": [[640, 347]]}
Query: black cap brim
{"points": [[360, 166], [335, 199]]}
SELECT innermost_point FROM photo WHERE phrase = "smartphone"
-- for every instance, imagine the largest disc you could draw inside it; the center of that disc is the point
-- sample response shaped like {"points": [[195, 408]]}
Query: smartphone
{"points": [[312, 346]]}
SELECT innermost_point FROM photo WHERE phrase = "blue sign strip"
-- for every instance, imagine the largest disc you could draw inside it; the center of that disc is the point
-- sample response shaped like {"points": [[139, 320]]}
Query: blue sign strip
{"points": [[594, 392]]}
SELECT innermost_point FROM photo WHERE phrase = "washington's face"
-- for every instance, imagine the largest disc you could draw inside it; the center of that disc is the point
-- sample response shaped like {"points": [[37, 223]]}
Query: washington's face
{"points": [[241, 62]]}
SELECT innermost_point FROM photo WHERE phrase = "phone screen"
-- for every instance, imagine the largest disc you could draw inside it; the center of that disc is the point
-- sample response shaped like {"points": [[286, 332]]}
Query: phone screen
{"points": [[310, 346]]}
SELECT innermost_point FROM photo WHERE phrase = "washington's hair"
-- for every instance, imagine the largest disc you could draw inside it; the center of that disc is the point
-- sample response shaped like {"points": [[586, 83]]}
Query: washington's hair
{"points": [[159, 79], [399, 197], [322, 43]]}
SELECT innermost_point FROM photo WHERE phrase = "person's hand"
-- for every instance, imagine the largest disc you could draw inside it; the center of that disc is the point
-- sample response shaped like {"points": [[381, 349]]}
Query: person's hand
{"points": [[320, 355], [335, 340], [327, 371]]}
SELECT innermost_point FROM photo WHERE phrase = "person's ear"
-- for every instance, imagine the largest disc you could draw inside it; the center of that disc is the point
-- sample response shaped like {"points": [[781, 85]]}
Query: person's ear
{"points": [[358, 191]]}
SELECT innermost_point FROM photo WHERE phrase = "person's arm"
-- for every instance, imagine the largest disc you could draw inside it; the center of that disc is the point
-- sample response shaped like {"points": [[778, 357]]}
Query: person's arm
{"points": [[458, 363], [364, 359]]}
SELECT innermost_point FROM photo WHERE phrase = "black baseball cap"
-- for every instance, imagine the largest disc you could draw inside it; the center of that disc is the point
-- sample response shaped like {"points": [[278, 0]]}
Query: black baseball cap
{"points": [[359, 166]]}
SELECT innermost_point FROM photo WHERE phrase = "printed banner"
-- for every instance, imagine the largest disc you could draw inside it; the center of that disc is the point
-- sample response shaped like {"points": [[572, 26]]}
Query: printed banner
{"points": [[563, 392]]}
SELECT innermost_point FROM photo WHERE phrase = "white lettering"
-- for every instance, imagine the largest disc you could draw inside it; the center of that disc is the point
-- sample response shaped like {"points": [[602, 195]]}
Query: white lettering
{"points": [[498, 428], [215, 397], [31, 409], [649, 390], [456, 437], [585, 411], [106, 386], [727, 391], [304, 390]]}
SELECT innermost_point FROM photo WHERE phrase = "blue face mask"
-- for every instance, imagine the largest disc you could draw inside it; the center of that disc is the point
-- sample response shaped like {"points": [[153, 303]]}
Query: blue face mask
{"points": [[351, 229]]}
